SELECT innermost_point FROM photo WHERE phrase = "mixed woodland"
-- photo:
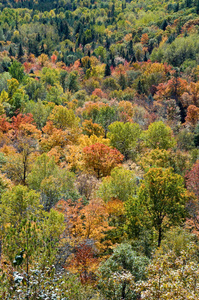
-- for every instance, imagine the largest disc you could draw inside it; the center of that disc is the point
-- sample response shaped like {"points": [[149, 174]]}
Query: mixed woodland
{"points": [[99, 149]]}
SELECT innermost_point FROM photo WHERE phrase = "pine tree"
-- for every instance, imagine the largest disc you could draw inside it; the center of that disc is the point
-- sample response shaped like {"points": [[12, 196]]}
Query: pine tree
{"points": [[107, 70], [11, 52], [20, 51], [140, 87]]}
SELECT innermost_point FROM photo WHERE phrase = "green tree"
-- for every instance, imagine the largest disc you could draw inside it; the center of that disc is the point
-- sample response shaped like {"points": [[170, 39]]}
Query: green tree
{"points": [[124, 137], [52, 182], [20, 51], [121, 184], [107, 71], [105, 116], [64, 118], [72, 82], [120, 272], [164, 197], [16, 70], [40, 112], [159, 136]]}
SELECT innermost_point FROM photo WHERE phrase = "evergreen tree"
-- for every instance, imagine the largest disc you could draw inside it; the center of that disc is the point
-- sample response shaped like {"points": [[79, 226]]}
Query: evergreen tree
{"points": [[20, 52], [107, 70], [164, 25], [11, 51], [122, 81]]}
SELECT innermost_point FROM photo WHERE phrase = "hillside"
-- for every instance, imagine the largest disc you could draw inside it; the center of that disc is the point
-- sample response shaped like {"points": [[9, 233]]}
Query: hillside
{"points": [[99, 137]]}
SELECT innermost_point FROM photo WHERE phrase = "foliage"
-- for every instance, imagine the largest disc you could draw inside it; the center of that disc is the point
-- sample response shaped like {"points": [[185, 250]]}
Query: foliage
{"points": [[124, 136], [101, 159], [120, 272], [159, 136], [163, 195], [98, 99]]}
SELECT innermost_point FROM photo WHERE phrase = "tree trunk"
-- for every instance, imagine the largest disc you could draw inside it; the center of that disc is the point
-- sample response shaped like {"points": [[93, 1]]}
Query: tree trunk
{"points": [[123, 291], [159, 236]]}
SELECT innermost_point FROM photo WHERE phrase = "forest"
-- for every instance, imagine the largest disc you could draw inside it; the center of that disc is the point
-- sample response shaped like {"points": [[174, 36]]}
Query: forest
{"points": [[99, 150]]}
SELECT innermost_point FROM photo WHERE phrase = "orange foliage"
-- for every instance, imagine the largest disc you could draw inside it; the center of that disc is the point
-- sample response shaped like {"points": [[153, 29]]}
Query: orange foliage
{"points": [[90, 108], [192, 115], [91, 128], [21, 119], [144, 39], [86, 222], [175, 87], [53, 58], [83, 261], [98, 92], [101, 159], [115, 207], [5, 126], [27, 67]]}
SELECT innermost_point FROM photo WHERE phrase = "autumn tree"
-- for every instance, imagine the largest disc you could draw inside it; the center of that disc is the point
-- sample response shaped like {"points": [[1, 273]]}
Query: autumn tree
{"points": [[192, 115], [91, 128], [101, 159]]}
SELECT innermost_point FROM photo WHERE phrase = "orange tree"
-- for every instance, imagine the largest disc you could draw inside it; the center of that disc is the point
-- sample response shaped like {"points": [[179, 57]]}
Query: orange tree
{"points": [[101, 159]]}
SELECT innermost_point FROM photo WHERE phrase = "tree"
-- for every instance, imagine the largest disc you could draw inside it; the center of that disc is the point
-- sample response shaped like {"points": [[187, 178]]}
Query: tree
{"points": [[192, 179], [161, 158], [52, 182], [40, 112], [20, 51], [124, 136], [120, 272], [101, 159], [107, 70], [164, 197], [72, 83], [30, 237], [63, 118], [121, 184], [192, 115], [91, 128], [16, 70], [159, 136], [172, 275], [25, 138], [86, 224], [105, 116]]}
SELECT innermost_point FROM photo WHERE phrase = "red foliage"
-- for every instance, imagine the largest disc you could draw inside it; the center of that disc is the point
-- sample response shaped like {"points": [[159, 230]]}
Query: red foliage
{"points": [[53, 58], [83, 259], [98, 92], [192, 179], [21, 119], [4, 124]]}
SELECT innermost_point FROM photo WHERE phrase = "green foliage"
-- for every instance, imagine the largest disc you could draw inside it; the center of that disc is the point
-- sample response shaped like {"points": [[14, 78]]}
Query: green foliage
{"points": [[16, 70], [159, 136], [52, 182], [124, 137], [120, 272], [164, 197], [95, 67], [40, 112], [121, 184], [106, 116]]}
